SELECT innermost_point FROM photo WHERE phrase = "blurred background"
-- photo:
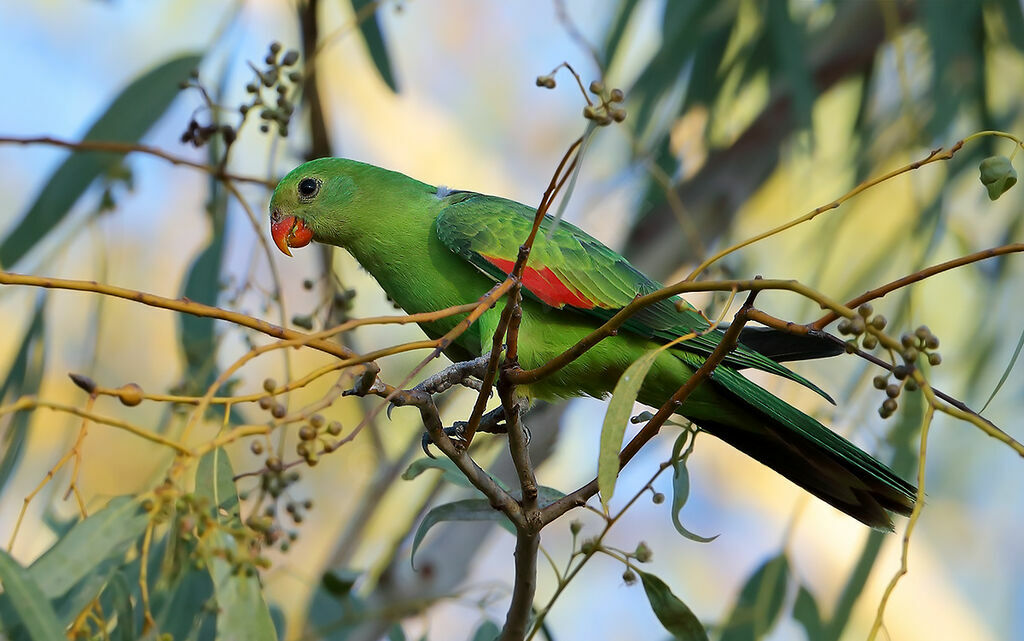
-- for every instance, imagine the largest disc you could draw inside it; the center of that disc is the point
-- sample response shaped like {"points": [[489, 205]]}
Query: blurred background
{"points": [[742, 114]]}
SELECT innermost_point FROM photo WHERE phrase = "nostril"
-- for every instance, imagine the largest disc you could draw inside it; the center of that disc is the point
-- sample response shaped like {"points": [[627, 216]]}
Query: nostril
{"points": [[275, 215]]}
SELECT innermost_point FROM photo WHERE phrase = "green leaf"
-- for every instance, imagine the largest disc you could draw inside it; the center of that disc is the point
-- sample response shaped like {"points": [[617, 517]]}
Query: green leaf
{"points": [[464, 510], [242, 612], [127, 119], [396, 633], [370, 28], [1006, 372], [790, 51], [338, 583], [106, 534], [677, 618], [487, 631], [617, 29], [121, 596], [759, 602], [615, 419], [681, 489], [24, 377], [28, 602], [806, 612], [449, 471]]}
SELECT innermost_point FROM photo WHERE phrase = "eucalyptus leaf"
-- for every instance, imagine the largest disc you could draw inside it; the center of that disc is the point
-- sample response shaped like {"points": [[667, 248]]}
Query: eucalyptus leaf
{"points": [[806, 612], [106, 534], [23, 377], [487, 631], [449, 471], [675, 615], [370, 29], [464, 510], [759, 602], [620, 407], [121, 597], [242, 612], [27, 602], [127, 119]]}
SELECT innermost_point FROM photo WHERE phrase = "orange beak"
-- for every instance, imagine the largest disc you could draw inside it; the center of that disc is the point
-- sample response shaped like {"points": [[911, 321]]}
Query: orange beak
{"points": [[289, 231]]}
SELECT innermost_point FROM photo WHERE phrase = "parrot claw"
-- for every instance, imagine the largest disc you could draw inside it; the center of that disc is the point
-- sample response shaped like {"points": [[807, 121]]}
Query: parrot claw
{"points": [[454, 433], [391, 406], [493, 422]]}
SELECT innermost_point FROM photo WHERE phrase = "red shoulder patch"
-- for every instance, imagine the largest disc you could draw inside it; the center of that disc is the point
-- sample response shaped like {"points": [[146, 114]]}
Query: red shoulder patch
{"points": [[545, 285]]}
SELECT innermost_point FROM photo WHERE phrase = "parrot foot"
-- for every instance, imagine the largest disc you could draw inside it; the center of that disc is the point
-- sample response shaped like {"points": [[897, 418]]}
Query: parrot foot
{"points": [[493, 422], [465, 373]]}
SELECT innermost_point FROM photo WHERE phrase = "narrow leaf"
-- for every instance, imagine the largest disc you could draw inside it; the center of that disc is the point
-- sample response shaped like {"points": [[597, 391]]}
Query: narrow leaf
{"points": [[759, 602], [121, 597], [127, 119], [464, 510], [396, 633], [680, 492], [106, 534], [449, 471], [370, 28], [677, 618], [1006, 372], [488, 631], [242, 612], [28, 602], [24, 377], [806, 612], [615, 419]]}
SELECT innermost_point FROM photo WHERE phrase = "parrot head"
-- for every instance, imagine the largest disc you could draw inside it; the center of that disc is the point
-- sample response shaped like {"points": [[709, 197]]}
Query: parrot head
{"points": [[301, 205]]}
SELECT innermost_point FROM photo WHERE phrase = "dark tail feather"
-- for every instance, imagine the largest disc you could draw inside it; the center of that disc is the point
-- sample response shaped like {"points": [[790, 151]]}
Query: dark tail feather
{"points": [[811, 455], [783, 346]]}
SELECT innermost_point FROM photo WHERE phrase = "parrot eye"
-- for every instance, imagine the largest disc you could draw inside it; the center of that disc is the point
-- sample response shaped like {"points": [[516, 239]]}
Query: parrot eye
{"points": [[308, 188]]}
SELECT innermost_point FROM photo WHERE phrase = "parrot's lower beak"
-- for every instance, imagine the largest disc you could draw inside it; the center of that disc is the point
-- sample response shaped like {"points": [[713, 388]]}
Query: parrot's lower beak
{"points": [[289, 231]]}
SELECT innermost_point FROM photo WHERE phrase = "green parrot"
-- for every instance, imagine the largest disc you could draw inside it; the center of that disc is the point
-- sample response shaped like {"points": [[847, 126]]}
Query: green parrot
{"points": [[433, 247]]}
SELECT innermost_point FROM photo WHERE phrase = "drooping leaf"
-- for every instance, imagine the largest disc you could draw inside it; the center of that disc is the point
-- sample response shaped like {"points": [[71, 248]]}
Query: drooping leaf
{"points": [[396, 633], [242, 612], [617, 30], [620, 407], [24, 377], [790, 55], [681, 490], [759, 602], [27, 602], [677, 618], [121, 597], [487, 631], [464, 510], [104, 535], [1006, 372], [449, 471], [127, 119], [370, 28], [806, 612], [339, 583]]}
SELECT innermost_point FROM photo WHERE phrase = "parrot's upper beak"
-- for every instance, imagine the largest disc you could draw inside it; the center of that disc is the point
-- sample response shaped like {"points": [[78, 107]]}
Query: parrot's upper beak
{"points": [[289, 231]]}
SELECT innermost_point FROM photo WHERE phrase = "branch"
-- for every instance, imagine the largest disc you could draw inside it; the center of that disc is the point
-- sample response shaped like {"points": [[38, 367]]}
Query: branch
{"points": [[919, 276], [128, 148], [653, 426], [178, 305]]}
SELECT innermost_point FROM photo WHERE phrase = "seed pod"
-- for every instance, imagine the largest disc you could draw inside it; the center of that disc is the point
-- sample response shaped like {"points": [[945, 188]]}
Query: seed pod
{"points": [[307, 433], [880, 381], [934, 359], [130, 394], [865, 310], [892, 391], [256, 448], [290, 57]]}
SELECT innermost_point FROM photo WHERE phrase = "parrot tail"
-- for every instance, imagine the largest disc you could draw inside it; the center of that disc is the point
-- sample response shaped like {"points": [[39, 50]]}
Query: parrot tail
{"points": [[809, 454]]}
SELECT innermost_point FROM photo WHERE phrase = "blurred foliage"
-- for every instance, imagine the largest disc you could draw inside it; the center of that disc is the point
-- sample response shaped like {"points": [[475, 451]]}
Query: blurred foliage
{"points": [[186, 564]]}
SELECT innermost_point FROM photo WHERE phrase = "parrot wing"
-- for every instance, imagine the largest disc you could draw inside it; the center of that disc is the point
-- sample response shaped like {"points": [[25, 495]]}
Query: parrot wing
{"points": [[568, 268]]}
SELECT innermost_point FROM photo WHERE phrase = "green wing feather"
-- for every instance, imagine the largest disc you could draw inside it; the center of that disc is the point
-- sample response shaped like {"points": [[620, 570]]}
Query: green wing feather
{"points": [[487, 231]]}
